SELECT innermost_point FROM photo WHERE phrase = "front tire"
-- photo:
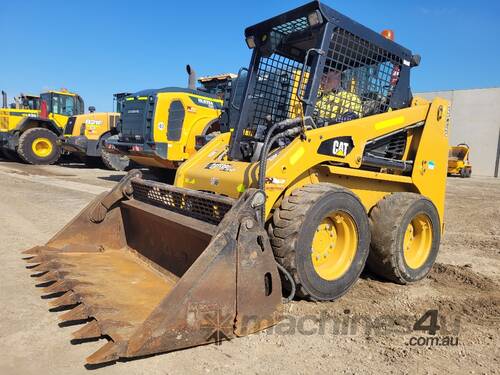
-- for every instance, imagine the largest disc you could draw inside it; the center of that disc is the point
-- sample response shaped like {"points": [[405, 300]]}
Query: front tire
{"points": [[406, 232], [38, 146], [321, 235], [114, 162]]}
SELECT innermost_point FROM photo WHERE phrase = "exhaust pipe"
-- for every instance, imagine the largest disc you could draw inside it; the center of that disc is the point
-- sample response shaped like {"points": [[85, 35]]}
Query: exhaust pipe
{"points": [[4, 99], [192, 77]]}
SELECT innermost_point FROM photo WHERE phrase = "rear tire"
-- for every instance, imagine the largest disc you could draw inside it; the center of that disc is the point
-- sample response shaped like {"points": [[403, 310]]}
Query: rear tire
{"points": [[405, 232], [38, 146], [114, 162], [320, 234]]}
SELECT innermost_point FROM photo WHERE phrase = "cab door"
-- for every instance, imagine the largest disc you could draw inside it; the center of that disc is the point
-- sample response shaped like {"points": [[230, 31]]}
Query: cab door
{"points": [[61, 107]]}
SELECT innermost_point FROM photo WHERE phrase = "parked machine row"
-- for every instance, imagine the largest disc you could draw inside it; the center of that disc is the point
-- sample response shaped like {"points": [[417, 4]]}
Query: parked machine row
{"points": [[38, 129]]}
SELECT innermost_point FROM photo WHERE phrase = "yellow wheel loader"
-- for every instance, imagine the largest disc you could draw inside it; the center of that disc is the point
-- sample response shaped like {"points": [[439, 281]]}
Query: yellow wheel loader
{"points": [[458, 161], [31, 127], [161, 128], [85, 135], [302, 192]]}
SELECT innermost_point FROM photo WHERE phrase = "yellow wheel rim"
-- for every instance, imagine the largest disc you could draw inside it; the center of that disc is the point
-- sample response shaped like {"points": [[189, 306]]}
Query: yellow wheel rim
{"points": [[42, 147], [334, 245], [417, 242]]}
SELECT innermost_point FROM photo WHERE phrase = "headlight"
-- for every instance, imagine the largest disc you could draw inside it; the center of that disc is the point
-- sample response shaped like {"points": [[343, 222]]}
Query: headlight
{"points": [[250, 41], [315, 18]]}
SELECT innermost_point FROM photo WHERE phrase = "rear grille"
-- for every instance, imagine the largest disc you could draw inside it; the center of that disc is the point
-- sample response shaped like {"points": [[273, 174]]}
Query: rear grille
{"points": [[200, 205], [176, 116]]}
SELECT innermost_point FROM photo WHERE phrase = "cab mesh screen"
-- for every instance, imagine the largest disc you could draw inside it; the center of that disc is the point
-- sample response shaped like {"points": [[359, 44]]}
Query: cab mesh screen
{"points": [[277, 79], [358, 78]]}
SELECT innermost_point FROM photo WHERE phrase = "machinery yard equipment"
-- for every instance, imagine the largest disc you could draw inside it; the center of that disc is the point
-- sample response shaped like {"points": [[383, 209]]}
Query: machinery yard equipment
{"points": [[23, 101], [31, 127], [458, 161], [86, 134], [162, 128], [307, 190]]}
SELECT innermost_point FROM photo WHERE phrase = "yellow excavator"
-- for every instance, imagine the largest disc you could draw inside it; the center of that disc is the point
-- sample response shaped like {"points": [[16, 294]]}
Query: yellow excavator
{"points": [[31, 126], [331, 164]]}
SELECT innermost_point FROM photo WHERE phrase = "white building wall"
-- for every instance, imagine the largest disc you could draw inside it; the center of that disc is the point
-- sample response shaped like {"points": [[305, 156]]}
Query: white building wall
{"points": [[475, 120]]}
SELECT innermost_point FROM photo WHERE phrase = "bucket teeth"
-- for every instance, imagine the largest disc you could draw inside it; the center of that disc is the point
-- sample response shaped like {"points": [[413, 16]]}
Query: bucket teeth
{"points": [[51, 276], [57, 287], [80, 312], [67, 299], [38, 259], [88, 331], [46, 266], [107, 353]]}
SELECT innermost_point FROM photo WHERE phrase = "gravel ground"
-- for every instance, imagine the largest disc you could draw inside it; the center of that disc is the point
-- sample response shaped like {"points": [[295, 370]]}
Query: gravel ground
{"points": [[370, 330]]}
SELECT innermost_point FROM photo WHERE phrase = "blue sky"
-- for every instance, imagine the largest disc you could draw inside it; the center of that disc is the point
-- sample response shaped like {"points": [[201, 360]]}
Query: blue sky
{"points": [[97, 48]]}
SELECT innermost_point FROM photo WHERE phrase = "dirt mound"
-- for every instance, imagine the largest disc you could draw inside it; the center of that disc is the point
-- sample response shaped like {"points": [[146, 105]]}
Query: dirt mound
{"points": [[447, 275]]}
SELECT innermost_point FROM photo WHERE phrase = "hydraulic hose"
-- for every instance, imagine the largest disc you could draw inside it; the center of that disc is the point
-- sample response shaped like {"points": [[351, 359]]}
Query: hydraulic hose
{"points": [[284, 124], [269, 140], [263, 163], [290, 279]]}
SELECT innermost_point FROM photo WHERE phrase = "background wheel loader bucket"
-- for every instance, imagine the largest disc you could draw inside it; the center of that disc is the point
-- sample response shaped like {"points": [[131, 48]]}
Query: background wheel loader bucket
{"points": [[154, 268]]}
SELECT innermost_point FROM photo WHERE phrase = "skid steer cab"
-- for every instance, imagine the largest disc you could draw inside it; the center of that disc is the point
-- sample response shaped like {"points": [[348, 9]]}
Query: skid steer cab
{"points": [[331, 164], [30, 128], [85, 134], [161, 128], [458, 161]]}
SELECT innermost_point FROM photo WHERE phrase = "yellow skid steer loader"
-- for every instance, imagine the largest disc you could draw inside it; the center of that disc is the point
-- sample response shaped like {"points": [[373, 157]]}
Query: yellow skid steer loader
{"points": [[330, 164]]}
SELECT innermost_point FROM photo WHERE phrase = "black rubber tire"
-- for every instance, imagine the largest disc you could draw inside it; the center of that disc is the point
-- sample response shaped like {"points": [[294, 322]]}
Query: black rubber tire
{"points": [[26, 153], [164, 175], [292, 230], [468, 173], [114, 162], [463, 173], [388, 222]]}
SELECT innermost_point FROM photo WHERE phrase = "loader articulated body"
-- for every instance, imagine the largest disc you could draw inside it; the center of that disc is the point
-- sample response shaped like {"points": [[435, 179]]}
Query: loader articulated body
{"points": [[31, 127], [162, 128], [301, 194], [85, 135]]}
